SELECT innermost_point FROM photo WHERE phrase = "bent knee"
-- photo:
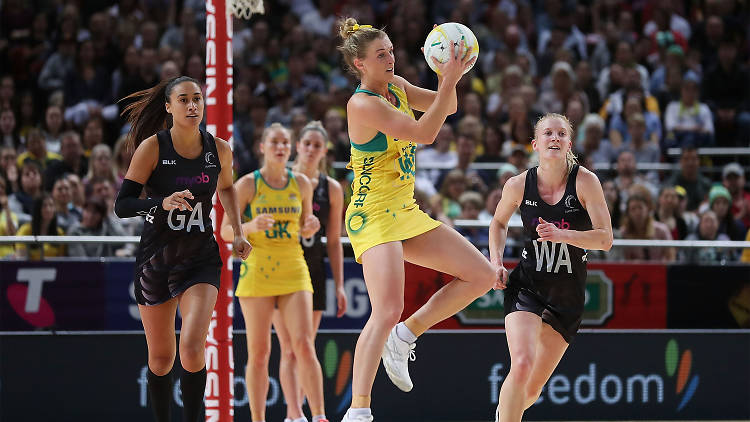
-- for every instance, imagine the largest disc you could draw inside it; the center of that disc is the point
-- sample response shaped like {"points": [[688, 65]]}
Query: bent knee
{"points": [[482, 276], [193, 357]]}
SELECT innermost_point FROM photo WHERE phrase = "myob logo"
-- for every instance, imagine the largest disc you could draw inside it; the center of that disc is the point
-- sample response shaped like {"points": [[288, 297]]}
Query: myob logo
{"points": [[337, 368], [610, 386], [681, 366]]}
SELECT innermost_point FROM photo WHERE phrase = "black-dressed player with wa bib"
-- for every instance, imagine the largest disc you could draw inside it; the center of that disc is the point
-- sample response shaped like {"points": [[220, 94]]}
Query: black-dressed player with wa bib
{"points": [[177, 262], [550, 278], [564, 214]]}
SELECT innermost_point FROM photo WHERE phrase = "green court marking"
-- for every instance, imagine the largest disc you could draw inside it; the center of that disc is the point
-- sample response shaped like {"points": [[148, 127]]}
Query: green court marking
{"points": [[435, 43]]}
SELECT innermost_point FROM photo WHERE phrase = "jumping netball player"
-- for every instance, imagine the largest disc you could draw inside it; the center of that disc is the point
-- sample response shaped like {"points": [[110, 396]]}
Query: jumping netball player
{"points": [[327, 205], [384, 224], [278, 208], [177, 261], [564, 214]]}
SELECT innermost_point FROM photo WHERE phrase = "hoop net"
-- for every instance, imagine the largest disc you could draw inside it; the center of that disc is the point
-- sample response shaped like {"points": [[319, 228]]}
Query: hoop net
{"points": [[245, 8]]}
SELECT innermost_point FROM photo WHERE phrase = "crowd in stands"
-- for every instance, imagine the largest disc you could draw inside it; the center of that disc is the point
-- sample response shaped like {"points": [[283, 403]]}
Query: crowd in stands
{"points": [[634, 78]]}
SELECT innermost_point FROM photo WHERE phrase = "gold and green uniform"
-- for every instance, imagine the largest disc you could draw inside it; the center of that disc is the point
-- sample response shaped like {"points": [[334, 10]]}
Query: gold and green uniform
{"points": [[382, 208], [276, 265]]}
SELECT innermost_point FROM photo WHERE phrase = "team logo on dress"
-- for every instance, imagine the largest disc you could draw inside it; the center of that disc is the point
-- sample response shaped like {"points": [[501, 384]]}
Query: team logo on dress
{"points": [[570, 204], [209, 159], [292, 196], [356, 222]]}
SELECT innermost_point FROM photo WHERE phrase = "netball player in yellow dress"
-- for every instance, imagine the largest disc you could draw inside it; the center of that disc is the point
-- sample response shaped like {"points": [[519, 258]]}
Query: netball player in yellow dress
{"points": [[277, 209], [384, 224]]}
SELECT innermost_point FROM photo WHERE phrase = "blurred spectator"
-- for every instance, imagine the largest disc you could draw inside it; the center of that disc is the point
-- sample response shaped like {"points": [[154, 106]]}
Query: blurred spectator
{"points": [[9, 169], [101, 166], [725, 91], [613, 78], [733, 176], [519, 158], [472, 204], [490, 204], [93, 223], [439, 153], [708, 229], [122, 157], [88, 88], [619, 132], [689, 177], [591, 140], [644, 151], [720, 202], [9, 136], [628, 176], [519, 129], [668, 212], [8, 221], [454, 184], [93, 135], [466, 151], [614, 202], [335, 125], [7, 92], [76, 190], [144, 78], [37, 151], [688, 121], [73, 160], [58, 66], [53, 127], [43, 223], [493, 139], [561, 90], [585, 83], [638, 223], [27, 119], [21, 201], [67, 214], [690, 217]]}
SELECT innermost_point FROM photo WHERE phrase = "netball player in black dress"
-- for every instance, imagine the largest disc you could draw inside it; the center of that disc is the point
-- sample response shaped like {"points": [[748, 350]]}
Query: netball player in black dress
{"points": [[564, 214], [177, 261], [328, 203]]}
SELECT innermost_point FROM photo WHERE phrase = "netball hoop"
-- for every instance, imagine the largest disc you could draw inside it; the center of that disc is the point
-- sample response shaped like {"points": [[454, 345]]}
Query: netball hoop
{"points": [[243, 9], [218, 99]]}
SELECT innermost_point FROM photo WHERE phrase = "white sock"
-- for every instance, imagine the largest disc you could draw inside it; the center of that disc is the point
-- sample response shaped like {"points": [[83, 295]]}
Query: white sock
{"points": [[404, 333], [360, 411], [288, 420], [300, 419], [319, 418]]}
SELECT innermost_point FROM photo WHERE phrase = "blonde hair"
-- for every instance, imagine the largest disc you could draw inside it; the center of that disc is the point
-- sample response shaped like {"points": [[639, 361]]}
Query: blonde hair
{"points": [[111, 172], [316, 126], [273, 127], [356, 38], [570, 157]]}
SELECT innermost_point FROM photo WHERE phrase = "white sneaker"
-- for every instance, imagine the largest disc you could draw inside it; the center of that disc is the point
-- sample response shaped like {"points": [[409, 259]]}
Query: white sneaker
{"points": [[396, 356], [360, 418]]}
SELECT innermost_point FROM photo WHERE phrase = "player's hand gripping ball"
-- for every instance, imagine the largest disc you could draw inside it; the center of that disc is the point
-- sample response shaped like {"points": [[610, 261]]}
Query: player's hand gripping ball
{"points": [[439, 40]]}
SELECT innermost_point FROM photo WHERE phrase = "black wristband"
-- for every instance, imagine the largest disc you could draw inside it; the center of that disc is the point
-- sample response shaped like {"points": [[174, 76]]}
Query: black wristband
{"points": [[128, 204]]}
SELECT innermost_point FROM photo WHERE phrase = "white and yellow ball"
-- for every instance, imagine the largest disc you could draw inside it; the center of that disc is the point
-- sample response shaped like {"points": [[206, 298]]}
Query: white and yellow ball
{"points": [[439, 40]]}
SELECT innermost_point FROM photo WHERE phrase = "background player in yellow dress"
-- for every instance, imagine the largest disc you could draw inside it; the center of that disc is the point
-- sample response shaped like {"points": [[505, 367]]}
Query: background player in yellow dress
{"points": [[277, 209], [384, 224]]}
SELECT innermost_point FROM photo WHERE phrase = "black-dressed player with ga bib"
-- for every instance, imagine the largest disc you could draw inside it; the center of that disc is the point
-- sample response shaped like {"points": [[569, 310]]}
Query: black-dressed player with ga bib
{"points": [[177, 261], [564, 213]]}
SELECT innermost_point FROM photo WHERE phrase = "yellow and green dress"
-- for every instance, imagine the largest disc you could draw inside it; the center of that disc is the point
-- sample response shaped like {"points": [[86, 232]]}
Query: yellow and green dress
{"points": [[276, 265], [382, 208]]}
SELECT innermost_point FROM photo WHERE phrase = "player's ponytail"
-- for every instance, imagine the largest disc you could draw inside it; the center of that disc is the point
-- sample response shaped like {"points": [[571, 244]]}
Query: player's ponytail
{"points": [[147, 114], [356, 39]]}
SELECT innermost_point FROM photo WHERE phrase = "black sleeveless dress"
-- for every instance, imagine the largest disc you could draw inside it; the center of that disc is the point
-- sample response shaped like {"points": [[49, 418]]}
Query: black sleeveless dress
{"points": [[177, 248], [315, 250], [550, 279]]}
